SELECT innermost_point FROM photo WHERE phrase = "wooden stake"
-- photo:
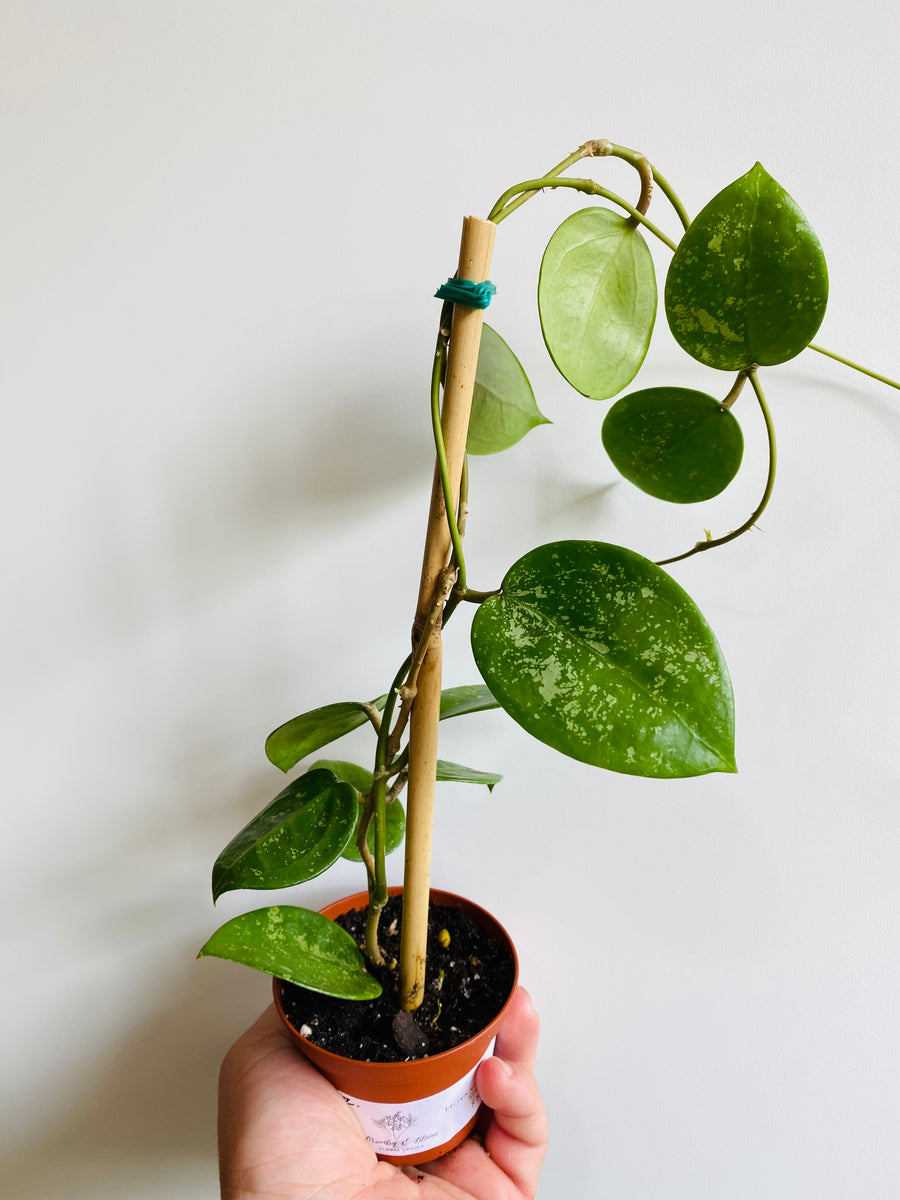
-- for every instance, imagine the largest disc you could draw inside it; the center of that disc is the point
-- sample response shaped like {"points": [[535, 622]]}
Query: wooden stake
{"points": [[475, 252]]}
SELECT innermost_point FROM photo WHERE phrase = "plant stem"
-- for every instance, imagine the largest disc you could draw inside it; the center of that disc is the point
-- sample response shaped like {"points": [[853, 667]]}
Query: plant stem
{"points": [[441, 611], [378, 893], [600, 148], [736, 388], [374, 811], [443, 468], [374, 716], [590, 188], [645, 170], [668, 191], [551, 174], [635, 157], [854, 365], [473, 597], [462, 514], [397, 786], [392, 742], [767, 492]]}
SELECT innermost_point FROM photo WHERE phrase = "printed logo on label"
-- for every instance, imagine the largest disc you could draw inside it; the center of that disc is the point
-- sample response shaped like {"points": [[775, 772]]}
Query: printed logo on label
{"points": [[420, 1125]]}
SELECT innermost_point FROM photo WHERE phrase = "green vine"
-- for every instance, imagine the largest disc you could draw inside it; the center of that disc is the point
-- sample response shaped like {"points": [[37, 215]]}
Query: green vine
{"points": [[711, 543]]}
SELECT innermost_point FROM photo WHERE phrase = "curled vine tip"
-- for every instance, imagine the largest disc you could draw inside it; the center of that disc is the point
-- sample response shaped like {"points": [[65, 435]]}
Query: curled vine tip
{"points": [[597, 148]]}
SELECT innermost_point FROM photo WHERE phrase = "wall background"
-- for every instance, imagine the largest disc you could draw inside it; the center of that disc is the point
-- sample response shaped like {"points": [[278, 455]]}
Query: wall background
{"points": [[222, 225]]}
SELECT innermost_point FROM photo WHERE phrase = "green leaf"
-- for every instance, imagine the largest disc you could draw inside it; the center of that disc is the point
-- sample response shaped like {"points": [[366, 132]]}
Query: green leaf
{"points": [[599, 653], [394, 833], [470, 698], [748, 282], [674, 443], [448, 772], [503, 406], [310, 731], [597, 301], [298, 945], [299, 835], [358, 777], [361, 780]]}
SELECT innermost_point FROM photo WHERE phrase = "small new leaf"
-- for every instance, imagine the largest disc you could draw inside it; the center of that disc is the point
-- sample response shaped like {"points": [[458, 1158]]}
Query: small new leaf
{"points": [[503, 405], [310, 731]]}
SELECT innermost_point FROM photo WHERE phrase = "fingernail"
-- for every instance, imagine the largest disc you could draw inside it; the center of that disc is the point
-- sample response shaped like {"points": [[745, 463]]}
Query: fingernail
{"points": [[507, 1069]]}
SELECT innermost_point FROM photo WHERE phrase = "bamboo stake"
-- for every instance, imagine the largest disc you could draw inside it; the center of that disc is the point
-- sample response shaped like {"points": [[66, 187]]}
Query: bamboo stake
{"points": [[475, 252]]}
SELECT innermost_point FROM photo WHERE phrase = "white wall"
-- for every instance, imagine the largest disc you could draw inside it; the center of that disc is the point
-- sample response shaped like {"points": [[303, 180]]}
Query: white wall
{"points": [[223, 223]]}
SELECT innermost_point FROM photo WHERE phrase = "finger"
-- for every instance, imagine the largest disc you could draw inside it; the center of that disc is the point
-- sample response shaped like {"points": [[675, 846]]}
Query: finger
{"points": [[517, 1040], [516, 1138]]}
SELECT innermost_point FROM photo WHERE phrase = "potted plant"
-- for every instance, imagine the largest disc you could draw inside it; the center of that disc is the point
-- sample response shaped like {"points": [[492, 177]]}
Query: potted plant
{"points": [[591, 647]]}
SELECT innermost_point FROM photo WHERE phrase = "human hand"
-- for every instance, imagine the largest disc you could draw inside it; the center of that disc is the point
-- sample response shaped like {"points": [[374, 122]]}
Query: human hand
{"points": [[286, 1134]]}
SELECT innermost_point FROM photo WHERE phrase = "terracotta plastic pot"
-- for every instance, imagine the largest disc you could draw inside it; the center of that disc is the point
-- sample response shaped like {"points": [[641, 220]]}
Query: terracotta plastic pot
{"points": [[412, 1112]]}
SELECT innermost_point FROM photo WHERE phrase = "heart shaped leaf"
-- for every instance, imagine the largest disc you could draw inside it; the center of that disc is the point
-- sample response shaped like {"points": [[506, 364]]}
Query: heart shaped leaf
{"points": [[298, 945], [748, 283], [597, 301], [674, 443], [299, 835], [599, 653], [310, 731], [503, 406]]}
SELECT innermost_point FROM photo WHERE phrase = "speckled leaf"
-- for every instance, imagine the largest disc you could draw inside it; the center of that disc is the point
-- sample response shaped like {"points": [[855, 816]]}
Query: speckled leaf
{"points": [[448, 772], [748, 282], [310, 731], [674, 443], [298, 945], [599, 653], [503, 406], [361, 780], [470, 698], [597, 301], [299, 835]]}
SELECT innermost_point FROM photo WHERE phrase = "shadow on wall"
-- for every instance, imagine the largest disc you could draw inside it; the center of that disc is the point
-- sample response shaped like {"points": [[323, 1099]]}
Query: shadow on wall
{"points": [[140, 1114], [152, 1101], [292, 472]]}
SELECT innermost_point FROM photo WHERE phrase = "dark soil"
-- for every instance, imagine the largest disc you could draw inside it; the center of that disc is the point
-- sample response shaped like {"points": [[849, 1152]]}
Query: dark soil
{"points": [[467, 982]]}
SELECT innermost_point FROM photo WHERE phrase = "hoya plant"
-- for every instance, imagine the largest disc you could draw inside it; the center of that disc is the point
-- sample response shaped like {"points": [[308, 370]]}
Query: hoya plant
{"points": [[591, 647]]}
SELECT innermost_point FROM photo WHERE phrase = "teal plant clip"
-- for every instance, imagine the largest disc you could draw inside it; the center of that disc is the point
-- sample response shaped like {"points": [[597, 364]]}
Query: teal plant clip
{"points": [[464, 291]]}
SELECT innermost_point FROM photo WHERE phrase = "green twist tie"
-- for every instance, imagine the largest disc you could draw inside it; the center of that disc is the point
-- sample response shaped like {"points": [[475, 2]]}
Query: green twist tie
{"points": [[464, 291]]}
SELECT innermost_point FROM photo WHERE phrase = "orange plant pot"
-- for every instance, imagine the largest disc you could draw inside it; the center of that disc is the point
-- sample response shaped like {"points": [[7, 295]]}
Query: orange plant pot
{"points": [[412, 1112]]}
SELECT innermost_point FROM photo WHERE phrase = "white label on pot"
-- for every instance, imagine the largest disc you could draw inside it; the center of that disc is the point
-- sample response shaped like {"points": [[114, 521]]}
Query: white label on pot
{"points": [[417, 1126]]}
